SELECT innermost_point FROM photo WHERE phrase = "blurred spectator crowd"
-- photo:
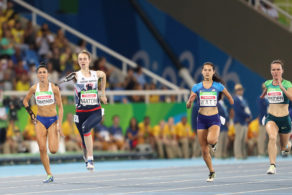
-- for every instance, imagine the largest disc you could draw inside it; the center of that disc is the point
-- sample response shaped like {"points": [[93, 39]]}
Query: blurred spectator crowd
{"points": [[240, 137], [23, 46]]}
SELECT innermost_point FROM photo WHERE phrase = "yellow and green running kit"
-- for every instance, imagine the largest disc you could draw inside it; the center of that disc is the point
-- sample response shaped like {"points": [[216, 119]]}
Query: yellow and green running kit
{"points": [[277, 96]]}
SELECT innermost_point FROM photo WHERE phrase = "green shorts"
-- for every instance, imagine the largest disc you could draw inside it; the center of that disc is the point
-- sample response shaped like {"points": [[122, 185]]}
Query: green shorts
{"points": [[283, 123]]}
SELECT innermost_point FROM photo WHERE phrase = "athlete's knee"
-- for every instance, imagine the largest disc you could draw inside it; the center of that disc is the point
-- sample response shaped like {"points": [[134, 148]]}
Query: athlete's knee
{"points": [[205, 151], [272, 138], [43, 149], [212, 140]]}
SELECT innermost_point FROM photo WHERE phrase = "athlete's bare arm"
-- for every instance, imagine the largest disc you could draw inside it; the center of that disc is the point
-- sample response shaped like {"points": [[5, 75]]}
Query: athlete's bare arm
{"points": [[102, 75], [264, 93], [60, 108], [191, 99], [287, 92], [26, 105], [228, 96]]}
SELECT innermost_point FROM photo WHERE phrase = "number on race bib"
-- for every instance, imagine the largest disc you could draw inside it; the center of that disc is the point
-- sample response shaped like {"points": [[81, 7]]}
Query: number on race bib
{"points": [[275, 96], [208, 98]]}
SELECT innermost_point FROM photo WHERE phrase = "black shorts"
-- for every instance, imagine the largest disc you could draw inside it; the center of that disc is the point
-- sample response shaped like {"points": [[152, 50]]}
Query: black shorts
{"points": [[283, 123], [85, 121]]}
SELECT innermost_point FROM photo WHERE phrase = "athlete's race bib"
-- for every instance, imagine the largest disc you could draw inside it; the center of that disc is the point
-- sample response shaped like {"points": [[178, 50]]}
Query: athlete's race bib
{"points": [[88, 97], [275, 96], [208, 98], [44, 98]]}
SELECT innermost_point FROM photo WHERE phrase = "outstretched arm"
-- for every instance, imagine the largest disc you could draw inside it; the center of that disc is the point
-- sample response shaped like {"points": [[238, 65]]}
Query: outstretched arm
{"points": [[229, 97], [102, 75], [69, 77], [191, 99]]}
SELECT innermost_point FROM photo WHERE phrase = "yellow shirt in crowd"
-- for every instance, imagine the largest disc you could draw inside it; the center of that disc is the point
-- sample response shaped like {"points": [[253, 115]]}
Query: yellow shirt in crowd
{"points": [[253, 128], [67, 129], [231, 131], [29, 129], [20, 86], [183, 130], [144, 132], [17, 35], [169, 131], [156, 132]]}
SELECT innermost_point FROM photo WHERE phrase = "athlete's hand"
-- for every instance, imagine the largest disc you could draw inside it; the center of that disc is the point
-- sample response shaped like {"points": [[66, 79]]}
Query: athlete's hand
{"points": [[59, 130], [33, 118], [103, 99], [61, 133], [281, 86], [189, 104]]}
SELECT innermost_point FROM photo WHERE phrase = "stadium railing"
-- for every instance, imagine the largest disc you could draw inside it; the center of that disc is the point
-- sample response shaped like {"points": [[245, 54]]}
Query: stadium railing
{"points": [[181, 94], [286, 16], [95, 45]]}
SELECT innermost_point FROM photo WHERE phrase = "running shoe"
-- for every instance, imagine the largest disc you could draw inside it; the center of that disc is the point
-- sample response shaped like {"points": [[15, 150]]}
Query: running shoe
{"points": [[211, 177], [90, 165], [284, 153], [213, 147], [49, 179], [272, 169]]}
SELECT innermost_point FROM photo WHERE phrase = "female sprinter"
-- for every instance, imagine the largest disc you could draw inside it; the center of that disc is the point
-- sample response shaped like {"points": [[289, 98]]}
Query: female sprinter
{"points": [[279, 92], [88, 108], [208, 125], [47, 124]]}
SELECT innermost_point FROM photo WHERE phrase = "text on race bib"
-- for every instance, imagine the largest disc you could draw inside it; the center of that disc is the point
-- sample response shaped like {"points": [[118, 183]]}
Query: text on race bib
{"points": [[88, 97], [44, 98], [208, 98], [275, 95]]}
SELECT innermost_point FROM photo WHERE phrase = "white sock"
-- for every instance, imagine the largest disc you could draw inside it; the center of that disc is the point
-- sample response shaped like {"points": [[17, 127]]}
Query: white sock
{"points": [[90, 158]]}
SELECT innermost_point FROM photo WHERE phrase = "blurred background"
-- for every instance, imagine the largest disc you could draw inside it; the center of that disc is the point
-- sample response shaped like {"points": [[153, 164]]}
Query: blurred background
{"points": [[152, 52]]}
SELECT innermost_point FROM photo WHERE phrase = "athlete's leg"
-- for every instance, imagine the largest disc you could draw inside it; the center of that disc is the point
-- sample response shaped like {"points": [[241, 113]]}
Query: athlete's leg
{"points": [[41, 135], [53, 138], [88, 124], [213, 134], [89, 144], [272, 130], [202, 135], [284, 141]]}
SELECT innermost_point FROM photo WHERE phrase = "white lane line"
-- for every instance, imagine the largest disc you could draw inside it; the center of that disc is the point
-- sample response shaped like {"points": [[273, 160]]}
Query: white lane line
{"points": [[154, 183], [220, 166], [144, 172], [195, 187], [97, 176], [263, 190]]}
